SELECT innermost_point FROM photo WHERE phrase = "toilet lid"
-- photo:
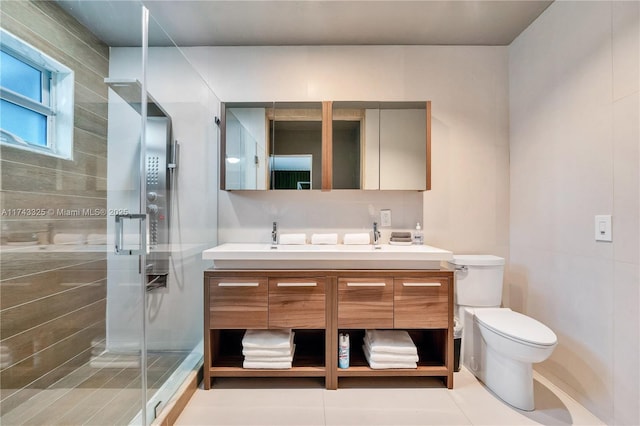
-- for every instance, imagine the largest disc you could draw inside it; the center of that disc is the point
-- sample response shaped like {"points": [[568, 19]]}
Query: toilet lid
{"points": [[516, 326]]}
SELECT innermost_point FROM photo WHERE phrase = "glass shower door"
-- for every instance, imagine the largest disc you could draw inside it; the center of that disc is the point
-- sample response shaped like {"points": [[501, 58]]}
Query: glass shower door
{"points": [[71, 309], [127, 220]]}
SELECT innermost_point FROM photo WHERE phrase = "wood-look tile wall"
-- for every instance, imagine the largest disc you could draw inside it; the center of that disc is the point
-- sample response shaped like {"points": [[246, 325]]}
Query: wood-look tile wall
{"points": [[52, 304]]}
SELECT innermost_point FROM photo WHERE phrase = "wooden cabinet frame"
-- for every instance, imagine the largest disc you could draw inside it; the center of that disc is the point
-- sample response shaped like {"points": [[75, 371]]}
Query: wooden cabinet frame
{"points": [[435, 338]]}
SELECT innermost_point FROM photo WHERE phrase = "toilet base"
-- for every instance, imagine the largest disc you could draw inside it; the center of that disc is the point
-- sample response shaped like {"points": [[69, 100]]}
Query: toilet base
{"points": [[510, 380]]}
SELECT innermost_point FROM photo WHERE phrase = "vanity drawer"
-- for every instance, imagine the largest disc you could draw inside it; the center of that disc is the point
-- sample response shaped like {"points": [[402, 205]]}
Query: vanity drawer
{"points": [[238, 303], [297, 303], [421, 303], [365, 302]]}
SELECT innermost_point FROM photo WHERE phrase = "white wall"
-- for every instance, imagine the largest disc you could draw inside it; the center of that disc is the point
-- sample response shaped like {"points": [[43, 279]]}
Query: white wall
{"points": [[574, 140], [467, 210]]}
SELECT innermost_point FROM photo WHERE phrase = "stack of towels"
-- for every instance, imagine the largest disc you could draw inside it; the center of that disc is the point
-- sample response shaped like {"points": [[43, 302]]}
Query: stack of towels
{"points": [[400, 237], [268, 349], [390, 349]]}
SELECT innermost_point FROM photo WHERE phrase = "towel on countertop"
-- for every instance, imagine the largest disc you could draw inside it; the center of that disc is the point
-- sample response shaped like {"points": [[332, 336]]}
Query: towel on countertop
{"points": [[293, 239], [401, 234], [391, 341], [400, 237], [271, 358], [387, 364], [361, 238], [324, 239], [266, 365], [268, 339], [388, 356]]}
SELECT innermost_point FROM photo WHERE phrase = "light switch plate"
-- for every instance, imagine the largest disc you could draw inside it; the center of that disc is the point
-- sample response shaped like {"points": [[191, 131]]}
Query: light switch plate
{"points": [[385, 217], [603, 227]]}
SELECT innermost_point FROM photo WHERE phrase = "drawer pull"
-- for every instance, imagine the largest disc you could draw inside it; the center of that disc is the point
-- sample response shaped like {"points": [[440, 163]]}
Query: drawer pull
{"points": [[238, 284], [422, 284], [297, 284], [366, 284]]}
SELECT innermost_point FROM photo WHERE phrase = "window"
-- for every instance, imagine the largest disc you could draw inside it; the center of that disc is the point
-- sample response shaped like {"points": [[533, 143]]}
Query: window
{"points": [[36, 99]]}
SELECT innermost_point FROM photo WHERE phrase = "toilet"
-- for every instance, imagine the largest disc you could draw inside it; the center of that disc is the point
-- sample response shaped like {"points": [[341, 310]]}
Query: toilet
{"points": [[499, 346]]}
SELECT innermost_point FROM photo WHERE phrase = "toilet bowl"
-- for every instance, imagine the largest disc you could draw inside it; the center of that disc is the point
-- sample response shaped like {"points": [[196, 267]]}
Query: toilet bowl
{"points": [[508, 346], [499, 346]]}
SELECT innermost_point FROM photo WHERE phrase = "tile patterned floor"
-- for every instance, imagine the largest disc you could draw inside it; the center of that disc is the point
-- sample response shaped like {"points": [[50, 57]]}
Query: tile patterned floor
{"points": [[91, 395], [379, 402]]}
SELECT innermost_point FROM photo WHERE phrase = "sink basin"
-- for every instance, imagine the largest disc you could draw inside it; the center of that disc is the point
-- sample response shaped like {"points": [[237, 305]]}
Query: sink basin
{"points": [[339, 256]]}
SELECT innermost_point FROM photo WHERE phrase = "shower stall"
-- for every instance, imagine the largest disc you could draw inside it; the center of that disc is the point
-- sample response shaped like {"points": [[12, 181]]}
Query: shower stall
{"points": [[104, 218]]}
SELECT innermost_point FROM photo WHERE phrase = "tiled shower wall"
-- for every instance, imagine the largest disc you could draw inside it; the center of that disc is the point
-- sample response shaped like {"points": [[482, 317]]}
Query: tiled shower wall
{"points": [[52, 302]]}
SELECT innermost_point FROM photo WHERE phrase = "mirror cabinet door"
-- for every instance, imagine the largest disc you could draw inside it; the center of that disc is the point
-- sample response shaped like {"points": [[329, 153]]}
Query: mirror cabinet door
{"points": [[355, 145], [404, 145], [244, 138], [295, 154]]}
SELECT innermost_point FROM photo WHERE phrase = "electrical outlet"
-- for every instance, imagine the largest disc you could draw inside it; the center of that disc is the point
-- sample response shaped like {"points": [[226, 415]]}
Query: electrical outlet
{"points": [[385, 217]]}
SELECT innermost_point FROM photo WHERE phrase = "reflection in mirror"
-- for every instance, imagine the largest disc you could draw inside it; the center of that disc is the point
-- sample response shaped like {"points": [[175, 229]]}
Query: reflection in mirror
{"points": [[296, 145], [291, 171], [246, 146], [347, 144], [356, 158]]}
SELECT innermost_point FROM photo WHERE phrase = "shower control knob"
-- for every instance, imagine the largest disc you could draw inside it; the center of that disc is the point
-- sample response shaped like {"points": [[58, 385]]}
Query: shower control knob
{"points": [[152, 196], [152, 209]]}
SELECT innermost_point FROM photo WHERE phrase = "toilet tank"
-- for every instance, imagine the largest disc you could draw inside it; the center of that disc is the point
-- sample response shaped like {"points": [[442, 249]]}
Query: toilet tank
{"points": [[478, 280]]}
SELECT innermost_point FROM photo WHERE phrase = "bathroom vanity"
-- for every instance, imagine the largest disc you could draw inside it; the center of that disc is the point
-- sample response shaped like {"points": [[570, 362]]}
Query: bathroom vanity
{"points": [[320, 302]]}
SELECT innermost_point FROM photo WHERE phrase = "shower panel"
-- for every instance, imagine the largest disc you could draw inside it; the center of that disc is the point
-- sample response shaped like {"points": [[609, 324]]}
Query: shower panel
{"points": [[159, 166]]}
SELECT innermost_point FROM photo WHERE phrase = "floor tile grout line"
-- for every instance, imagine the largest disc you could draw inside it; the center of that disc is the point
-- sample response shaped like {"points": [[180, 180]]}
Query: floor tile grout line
{"points": [[462, 411]]}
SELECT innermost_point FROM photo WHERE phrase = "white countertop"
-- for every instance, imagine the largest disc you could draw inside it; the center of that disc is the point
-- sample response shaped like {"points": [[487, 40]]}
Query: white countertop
{"points": [[339, 256]]}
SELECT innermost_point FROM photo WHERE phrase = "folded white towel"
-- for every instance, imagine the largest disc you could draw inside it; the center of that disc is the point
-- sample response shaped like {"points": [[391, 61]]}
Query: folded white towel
{"points": [[271, 358], [293, 239], [324, 239], [393, 341], [378, 356], [266, 365], [376, 365], [253, 352], [268, 339], [362, 238]]}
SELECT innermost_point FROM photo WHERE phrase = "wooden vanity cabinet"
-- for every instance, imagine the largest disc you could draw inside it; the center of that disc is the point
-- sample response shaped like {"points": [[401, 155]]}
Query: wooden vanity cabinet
{"points": [[236, 300], [318, 305]]}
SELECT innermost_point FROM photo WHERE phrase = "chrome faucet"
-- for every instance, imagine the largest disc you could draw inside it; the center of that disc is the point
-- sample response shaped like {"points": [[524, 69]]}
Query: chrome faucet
{"points": [[376, 235], [274, 235]]}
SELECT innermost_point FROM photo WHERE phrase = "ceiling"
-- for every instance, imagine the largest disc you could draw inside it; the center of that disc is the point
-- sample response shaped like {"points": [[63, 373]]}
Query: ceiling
{"points": [[309, 22]]}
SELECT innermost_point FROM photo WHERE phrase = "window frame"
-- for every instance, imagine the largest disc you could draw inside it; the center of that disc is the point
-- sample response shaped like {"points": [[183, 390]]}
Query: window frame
{"points": [[57, 91]]}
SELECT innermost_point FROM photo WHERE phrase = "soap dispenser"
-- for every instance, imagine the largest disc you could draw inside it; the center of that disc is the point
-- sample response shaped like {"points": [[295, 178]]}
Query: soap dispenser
{"points": [[418, 237]]}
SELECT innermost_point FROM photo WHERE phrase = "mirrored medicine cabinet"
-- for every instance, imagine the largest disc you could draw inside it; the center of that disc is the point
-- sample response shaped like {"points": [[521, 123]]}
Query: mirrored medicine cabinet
{"points": [[325, 145]]}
